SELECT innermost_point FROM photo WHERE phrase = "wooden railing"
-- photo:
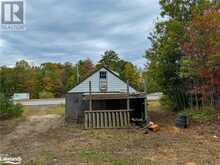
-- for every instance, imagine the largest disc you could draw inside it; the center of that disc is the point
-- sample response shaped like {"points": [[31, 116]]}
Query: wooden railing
{"points": [[107, 119]]}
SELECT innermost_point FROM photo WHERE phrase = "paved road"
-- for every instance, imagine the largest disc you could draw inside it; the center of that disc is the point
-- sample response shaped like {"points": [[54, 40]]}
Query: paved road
{"points": [[154, 96], [40, 102], [59, 101]]}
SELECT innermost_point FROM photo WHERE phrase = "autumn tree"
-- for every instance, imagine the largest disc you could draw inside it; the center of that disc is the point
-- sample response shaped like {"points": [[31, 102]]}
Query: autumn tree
{"points": [[70, 76], [21, 75], [131, 74], [166, 59], [203, 48], [85, 67], [52, 80]]}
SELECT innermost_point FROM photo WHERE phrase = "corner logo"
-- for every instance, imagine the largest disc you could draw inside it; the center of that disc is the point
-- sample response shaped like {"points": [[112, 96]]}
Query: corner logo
{"points": [[12, 15], [6, 159]]}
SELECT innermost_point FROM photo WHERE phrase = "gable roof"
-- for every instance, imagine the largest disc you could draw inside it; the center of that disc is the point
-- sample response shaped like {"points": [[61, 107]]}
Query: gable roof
{"points": [[96, 70]]}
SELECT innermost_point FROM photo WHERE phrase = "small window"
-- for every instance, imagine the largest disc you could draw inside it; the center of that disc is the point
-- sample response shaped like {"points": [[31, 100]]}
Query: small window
{"points": [[103, 75], [103, 85]]}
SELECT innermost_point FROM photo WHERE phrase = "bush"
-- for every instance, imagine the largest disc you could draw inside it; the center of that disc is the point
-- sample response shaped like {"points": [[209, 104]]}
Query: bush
{"points": [[44, 95], [8, 109], [202, 115], [167, 103]]}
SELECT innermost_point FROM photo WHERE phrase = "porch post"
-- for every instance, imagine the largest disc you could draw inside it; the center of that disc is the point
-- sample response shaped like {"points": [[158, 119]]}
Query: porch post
{"points": [[128, 99], [90, 96], [145, 101]]}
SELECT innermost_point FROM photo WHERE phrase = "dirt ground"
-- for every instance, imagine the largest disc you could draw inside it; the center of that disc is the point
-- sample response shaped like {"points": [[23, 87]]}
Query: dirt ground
{"points": [[45, 139]]}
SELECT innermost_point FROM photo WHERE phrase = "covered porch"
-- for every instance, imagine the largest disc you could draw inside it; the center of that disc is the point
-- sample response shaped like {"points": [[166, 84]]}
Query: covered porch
{"points": [[113, 110]]}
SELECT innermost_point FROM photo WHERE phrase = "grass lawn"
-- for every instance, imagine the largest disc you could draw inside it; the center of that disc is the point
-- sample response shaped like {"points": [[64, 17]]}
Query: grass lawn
{"points": [[43, 138], [30, 111]]}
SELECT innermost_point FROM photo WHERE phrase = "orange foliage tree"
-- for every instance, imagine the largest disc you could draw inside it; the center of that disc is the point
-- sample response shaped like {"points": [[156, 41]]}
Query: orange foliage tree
{"points": [[203, 47]]}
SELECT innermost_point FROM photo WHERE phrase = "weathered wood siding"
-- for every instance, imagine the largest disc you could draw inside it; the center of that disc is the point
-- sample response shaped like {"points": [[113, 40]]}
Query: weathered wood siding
{"points": [[107, 119], [75, 106], [114, 84]]}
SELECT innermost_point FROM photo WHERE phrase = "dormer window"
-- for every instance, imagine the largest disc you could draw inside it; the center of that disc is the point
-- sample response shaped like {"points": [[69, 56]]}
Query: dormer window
{"points": [[103, 75]]}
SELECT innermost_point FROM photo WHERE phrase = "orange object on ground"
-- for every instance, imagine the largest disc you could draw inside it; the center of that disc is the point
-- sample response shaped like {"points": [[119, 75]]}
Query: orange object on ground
{"points": [[153, 127]]}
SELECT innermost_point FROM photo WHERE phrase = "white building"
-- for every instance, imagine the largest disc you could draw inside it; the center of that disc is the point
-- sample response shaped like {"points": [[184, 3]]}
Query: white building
{"points": [[103, 80]]}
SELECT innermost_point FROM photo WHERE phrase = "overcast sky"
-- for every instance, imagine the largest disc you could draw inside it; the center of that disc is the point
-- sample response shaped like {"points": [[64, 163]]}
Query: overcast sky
{"points": [[67, 31]]}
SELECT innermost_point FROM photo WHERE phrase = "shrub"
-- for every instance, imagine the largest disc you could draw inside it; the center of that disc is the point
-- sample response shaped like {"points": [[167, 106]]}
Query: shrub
{"points": [[167, 103], [8, 109], [202, 115], [45, 95]]}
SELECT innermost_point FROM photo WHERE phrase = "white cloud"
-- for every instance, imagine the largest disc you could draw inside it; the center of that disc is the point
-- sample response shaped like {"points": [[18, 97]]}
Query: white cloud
{"points": [[61, 31], [2, 43]]}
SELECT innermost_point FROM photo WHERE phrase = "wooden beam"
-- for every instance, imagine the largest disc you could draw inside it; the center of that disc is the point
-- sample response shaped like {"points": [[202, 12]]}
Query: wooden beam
{"points": [[113, 119], [110, 124], [128, 99], [145, 101], [110, 96], [102, 119], [98, 120], [90, 120], [90, 96], [121, 119], [119, 110], [117, 119], [107, 119], [86, 121], [129, 118], [94, 119], [125, 118]]}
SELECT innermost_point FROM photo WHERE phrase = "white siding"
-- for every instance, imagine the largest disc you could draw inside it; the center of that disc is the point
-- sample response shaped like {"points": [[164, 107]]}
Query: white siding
{"points": [[113, 82]]}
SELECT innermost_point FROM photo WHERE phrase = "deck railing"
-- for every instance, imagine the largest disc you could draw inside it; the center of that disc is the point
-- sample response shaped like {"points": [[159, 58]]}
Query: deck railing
{"points": [[107, 119]]}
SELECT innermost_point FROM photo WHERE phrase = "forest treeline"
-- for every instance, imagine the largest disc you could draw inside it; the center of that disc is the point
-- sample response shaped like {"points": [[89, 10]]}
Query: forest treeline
{"points": [[184, 59], [54, 79]]}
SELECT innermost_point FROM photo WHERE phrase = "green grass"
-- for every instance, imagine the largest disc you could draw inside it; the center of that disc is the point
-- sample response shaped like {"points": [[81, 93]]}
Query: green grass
{"points": [[206, 114], [59, 110], [203, 115], [9, 125], [45, 157], [68, 144], [154, 105], [95, 156]]}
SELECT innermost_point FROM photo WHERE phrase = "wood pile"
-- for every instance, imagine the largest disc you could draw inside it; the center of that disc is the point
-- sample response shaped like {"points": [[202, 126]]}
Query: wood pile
{"points": [[153, 127]]}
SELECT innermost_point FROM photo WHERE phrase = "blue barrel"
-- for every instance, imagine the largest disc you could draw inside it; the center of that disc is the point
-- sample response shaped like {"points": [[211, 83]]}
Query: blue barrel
{"points": [[181, 121]]}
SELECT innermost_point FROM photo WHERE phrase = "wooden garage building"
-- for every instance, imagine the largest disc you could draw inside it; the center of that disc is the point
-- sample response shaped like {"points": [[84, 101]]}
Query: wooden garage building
{"points": [[103, 100]]}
